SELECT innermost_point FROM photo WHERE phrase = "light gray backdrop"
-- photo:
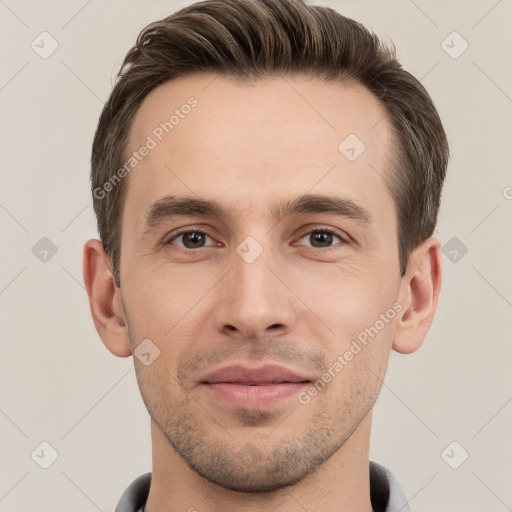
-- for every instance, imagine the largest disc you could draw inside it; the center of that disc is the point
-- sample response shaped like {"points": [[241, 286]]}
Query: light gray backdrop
{"points": [[60, 385]]}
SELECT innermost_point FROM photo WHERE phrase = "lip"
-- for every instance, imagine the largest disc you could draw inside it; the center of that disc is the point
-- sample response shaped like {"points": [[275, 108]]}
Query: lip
{"points": [[254, 388], [265, 374]]}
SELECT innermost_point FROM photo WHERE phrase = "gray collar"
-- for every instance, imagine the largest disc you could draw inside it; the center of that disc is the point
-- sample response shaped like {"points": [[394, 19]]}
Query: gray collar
{"points": [[385, 492]]}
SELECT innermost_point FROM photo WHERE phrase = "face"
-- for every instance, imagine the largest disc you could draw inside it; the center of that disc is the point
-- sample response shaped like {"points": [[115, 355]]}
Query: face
{"points": [[273, 314]]}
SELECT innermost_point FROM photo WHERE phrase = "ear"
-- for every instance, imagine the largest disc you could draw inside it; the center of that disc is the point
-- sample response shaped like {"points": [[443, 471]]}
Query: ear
{"points": [[419, 292], [105, 299]]}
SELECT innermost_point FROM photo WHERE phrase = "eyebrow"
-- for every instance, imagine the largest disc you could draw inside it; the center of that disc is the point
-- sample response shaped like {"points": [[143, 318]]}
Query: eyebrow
{"points": [[170, 206]]}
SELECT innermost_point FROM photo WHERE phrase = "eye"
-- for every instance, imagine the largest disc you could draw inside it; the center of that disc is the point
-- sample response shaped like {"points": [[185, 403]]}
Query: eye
{"points": [[191, 239], [322, 238]]}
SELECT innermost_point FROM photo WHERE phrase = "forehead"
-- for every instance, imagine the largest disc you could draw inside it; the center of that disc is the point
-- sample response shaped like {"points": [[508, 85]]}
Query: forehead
{"points": [[215, 137], [325, 108]]}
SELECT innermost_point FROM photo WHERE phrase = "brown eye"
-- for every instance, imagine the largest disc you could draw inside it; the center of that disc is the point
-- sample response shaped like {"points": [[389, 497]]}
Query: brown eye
{"points": [[322, 238], [190, 239]]}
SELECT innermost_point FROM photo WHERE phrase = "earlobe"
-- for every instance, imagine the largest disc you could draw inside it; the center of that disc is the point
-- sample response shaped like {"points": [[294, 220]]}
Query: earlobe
{"points": [[105, 299], [419, 293]]}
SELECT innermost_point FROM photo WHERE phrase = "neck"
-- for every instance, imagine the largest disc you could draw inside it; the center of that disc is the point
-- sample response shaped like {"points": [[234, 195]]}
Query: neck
{"points": [[340, 483]]}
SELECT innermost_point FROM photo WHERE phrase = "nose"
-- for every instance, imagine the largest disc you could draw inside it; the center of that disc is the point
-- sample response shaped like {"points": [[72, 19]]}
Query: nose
{"points": [[255, 299]]}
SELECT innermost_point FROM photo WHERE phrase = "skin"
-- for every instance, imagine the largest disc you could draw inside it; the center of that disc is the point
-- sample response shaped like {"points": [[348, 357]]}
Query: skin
{"points": [[297, 304]]}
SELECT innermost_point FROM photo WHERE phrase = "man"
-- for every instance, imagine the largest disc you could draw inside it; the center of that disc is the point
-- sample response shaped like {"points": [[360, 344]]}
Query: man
{"points": [[266, 179]]}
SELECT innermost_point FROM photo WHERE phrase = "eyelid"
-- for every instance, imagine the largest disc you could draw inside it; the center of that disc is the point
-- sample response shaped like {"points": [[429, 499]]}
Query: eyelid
{"points": [[188, 229], [340, 234]]}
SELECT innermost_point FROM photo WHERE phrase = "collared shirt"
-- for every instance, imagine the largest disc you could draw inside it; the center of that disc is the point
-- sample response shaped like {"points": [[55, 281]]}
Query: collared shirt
{"points": [[385, 492]]}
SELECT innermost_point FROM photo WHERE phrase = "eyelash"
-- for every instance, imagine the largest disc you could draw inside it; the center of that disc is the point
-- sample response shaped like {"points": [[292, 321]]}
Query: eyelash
{"points": [[192, 229]]}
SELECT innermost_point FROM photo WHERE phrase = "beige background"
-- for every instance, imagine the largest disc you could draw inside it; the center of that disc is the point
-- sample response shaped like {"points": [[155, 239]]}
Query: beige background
{"points": [[58, 382]]}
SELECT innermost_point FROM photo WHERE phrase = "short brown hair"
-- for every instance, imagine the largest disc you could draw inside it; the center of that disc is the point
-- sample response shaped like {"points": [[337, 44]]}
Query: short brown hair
{"points": [[251, 39]]}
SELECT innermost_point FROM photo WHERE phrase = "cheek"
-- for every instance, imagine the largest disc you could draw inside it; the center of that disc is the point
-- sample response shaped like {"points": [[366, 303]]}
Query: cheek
{"points": [[161, 296], [349, 299], [157, 384], [357, 367], [361, 316]]}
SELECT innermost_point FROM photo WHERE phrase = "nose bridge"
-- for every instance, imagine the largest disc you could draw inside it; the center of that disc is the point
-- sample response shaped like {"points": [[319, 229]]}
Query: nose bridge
{"points": [[251, 268]]}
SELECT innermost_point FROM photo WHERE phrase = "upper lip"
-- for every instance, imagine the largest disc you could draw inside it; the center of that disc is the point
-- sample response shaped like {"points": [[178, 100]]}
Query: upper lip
{"points": [[266, 374]]}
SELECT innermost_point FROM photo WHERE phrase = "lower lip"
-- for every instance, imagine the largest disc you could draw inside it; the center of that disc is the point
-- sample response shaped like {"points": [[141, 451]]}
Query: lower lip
{"points": [[254, 397]]}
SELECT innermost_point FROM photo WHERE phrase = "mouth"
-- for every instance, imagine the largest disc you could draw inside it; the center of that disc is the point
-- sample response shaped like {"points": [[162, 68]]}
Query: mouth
{"points": [[254, 388]]}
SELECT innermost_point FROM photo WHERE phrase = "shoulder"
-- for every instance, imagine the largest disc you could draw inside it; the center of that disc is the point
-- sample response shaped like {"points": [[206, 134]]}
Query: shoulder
{"points": [[385, 491], [135, 495]]}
